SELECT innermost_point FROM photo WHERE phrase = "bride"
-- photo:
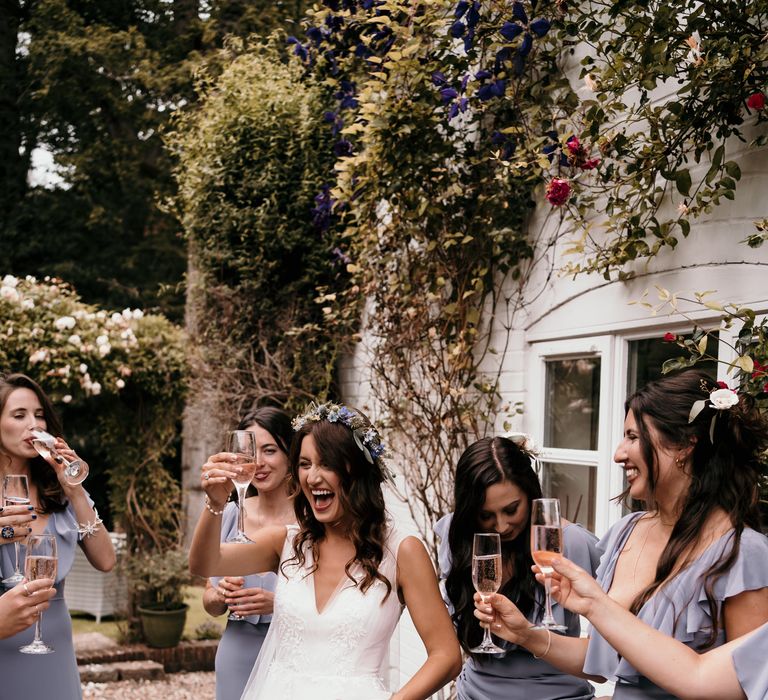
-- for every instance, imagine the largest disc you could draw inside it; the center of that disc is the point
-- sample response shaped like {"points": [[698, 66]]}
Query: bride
{"points": [[344, 573]]}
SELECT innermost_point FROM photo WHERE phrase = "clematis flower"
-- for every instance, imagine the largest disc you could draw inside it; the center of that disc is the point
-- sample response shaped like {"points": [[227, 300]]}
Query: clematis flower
{"points": [[540, 27], [756, 101], [510, 30], [558, 191], [519, 12]]}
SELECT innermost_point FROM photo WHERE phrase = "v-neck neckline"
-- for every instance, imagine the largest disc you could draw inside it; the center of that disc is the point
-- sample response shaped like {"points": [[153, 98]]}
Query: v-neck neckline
{"points": [[334, 593]]}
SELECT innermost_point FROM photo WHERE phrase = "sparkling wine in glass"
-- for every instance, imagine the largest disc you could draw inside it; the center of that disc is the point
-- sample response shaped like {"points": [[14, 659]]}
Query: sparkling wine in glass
{"points": [[15, 493], [41, 562], [546, 545], [486, 578], [75, 471], [242, 444]]}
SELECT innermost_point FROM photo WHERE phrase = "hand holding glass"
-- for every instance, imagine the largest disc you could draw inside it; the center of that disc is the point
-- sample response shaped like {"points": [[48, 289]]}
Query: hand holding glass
{"points": [[15, 493], [546, 545], [486, 578], [41, 562], [75, 471], [243, 445]]}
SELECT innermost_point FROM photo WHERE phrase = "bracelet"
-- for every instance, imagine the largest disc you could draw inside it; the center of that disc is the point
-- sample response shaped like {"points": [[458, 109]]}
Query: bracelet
{"points": [[211, 510], [549, 644], [90, 529]]}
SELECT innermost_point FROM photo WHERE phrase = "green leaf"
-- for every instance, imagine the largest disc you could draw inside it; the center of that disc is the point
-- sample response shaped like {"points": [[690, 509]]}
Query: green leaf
{"points": [[683, 181]]}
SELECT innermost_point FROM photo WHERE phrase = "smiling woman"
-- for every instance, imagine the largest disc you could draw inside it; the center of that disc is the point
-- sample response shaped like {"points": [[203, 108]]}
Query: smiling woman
{"points": [[343, 575], [495, 484]]}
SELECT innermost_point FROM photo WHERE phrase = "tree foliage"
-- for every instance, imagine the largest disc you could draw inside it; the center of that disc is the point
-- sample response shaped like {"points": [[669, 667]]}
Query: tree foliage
{"points": [[252, 164]]}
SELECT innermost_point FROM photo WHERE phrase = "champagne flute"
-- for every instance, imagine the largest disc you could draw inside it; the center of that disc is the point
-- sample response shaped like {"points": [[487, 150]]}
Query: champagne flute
{"points": [[15, 493], [486, 578], [546, 545], [75, 471], [41, 562], [243, 444]]}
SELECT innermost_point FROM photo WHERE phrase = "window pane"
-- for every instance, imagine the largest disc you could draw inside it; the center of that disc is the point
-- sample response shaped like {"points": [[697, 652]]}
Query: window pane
{"points": [[572, 403], [574, 485], [647, 356]]}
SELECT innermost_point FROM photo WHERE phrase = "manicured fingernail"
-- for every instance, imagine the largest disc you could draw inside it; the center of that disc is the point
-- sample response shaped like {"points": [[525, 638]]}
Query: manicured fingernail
{"points": [[30, 507], [34, 517], [58, 460]]}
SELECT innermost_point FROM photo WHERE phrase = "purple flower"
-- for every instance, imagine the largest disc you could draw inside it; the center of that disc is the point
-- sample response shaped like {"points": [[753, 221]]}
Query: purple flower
{"points": [[525, 46], [518, 64], [499, 87], [469, 39], [457, 29], [510, 30], [540, 27], [439, 78], [340, 256], [519, 12], [315, 35], [473, 16], [485, 92], [461, 8], [483, 75], [465, 81], [367, 4], [447, 94], [321, 212], [453, 110], [463, 104], [342, 148]]}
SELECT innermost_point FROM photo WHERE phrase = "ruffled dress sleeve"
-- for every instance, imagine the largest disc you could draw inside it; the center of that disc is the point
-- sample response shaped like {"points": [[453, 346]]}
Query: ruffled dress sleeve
{"points": [[749, 660], [267, 580], [680, 609], [65, 526], [444, 559]]}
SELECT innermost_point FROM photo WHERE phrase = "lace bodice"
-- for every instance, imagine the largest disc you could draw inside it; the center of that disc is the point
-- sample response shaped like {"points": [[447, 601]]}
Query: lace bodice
{"points": [[339, 653]]}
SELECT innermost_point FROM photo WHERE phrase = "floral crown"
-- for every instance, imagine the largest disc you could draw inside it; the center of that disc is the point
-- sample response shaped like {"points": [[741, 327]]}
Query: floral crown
{"points": [[721, 399], [366, 437]]}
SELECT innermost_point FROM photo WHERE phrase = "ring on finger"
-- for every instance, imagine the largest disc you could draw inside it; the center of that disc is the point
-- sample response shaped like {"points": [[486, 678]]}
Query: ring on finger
{"points": [[206, 476], [27, 592], [8, 532]]}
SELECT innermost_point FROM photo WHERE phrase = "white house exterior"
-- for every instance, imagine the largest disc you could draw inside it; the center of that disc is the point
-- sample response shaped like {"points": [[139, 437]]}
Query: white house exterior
{"points": [[581, 348]]}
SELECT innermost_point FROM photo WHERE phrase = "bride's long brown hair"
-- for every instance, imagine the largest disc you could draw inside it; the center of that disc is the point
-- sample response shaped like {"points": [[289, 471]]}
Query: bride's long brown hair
{"points": [[360, 496]]}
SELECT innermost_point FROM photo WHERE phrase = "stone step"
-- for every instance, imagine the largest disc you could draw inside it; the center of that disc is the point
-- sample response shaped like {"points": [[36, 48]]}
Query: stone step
{"points": [[121, 671]]}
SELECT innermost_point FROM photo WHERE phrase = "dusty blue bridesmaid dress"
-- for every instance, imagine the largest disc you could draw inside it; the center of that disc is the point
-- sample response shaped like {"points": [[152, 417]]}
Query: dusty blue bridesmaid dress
{"points": [[751, 667], [680, 609], [50, 676], [242, 639]]}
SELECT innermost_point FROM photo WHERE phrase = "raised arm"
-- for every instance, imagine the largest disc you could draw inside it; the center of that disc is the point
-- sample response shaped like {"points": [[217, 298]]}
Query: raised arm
{"points": [[207, 555], [666, 661], [418, 583]]}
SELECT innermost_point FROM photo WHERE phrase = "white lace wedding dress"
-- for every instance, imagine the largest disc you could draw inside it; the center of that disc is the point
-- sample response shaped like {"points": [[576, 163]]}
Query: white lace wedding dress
{"points": [[335, 654]]}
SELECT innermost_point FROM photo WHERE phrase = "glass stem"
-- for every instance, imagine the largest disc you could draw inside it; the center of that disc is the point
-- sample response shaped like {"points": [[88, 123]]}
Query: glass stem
{"points": [[548, 617], [16, 552], [38, 630], [487, 641], [241, 510]]}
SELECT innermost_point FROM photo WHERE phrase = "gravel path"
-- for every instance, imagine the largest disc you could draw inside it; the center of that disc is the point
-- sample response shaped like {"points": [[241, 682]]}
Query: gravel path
{"points": [[177, 686]]}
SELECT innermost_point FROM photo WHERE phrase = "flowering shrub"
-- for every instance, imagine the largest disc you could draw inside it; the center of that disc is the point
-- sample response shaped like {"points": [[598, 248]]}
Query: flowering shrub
{"points": [[118, 379]]}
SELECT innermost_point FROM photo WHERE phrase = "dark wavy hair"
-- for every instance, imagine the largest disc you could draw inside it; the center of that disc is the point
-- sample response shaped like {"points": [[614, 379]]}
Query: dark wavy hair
{"points": [[725, 471], [277, 423], [360, 496], [49, 492], [487, 462]]}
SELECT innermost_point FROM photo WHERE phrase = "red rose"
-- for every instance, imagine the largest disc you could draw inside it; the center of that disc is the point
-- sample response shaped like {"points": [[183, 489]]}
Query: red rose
{"points": [[670, 337], [590, 164], [759, 370], [756, 101], [765, 388], [574, 145], [722, 385], [558, 191]]}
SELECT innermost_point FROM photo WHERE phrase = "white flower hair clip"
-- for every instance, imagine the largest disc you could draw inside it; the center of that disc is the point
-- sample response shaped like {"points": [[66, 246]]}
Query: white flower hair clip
{"points": [[721, 399]]}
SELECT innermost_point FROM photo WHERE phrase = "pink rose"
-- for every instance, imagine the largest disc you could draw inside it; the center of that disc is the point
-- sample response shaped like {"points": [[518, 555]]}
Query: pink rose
{"points": [[558, 191]]}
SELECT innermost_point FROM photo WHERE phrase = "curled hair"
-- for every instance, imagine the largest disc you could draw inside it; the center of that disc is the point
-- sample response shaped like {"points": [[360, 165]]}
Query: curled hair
{"points": [[360, 496], [725, 471], [49, 492], [487, 462]]}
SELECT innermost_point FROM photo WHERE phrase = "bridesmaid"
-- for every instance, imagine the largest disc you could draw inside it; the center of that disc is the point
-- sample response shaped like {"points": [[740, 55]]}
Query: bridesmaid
{"points": [[251, 597], [694, 564], [495, 484], [730, 672], [60, 509]]}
